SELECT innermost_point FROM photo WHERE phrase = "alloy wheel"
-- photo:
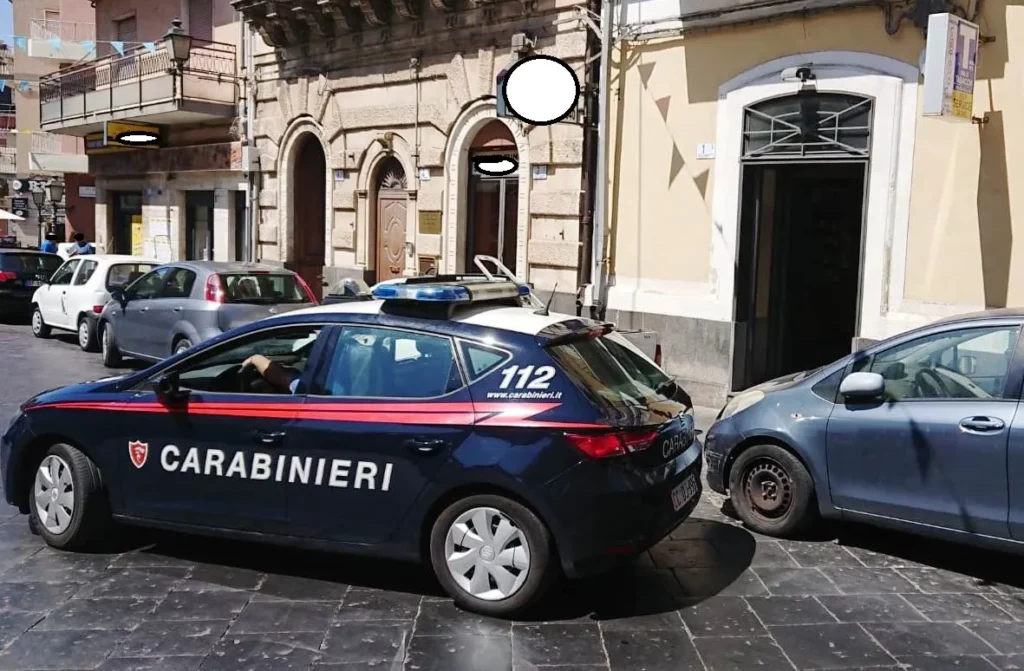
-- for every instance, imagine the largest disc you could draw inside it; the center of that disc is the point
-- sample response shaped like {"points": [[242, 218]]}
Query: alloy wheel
{"points": [[54, 491], [487, 555], [768, 489]]}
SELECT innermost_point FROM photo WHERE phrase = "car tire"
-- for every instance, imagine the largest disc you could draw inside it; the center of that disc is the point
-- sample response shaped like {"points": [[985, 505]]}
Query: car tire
{"points": [[772, 492], [111, 355], [86, 335], [40, 329], [530, 544], [75, 513], [181, 345]]}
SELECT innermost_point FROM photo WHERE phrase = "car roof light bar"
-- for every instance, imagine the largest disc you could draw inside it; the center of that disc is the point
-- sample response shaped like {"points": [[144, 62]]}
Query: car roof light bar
{"points": [[467, 290]]}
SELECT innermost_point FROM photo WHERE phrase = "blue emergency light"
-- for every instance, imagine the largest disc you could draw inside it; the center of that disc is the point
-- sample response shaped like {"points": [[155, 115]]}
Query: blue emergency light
{"points": [[462, 290]]}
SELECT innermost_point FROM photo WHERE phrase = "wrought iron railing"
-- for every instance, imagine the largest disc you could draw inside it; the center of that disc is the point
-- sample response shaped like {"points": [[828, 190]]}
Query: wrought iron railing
{"points": [[65, 31], [206, 59]]}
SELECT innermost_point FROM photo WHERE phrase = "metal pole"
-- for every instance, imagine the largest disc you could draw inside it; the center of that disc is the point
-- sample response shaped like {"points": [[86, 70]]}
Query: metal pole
{"points": [[250, 140], [601, 177]]}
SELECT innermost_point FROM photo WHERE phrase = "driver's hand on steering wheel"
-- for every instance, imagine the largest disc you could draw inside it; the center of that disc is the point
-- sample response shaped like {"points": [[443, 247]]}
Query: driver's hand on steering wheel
{"points": [[259, 362]]}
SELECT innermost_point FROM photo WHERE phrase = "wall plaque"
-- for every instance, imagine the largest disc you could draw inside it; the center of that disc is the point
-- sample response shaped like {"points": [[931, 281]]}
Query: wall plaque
{"points": [[430, 222]]}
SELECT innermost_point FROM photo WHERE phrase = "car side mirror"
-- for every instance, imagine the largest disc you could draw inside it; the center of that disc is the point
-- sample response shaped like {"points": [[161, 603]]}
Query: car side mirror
{"points": [[167, 388], [862, 386]]}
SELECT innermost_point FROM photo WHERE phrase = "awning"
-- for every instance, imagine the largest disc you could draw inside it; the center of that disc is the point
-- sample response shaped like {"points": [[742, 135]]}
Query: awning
{"points": [[10, 216]]}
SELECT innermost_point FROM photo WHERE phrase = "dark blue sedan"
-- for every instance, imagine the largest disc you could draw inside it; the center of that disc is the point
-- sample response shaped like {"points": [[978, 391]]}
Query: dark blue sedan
{"points": [[920, 432], [445, 422]]}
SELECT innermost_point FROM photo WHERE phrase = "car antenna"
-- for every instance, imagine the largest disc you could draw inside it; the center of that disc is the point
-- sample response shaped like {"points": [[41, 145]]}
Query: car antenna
{"points": [[546, 310]]}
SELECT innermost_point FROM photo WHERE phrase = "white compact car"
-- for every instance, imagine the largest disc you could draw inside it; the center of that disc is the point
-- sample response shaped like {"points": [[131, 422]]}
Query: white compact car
{"points": [[76, 294]]}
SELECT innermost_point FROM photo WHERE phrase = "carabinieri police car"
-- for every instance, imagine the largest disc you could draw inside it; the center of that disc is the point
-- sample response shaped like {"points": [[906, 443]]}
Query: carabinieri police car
{"points": [[452, 419]]}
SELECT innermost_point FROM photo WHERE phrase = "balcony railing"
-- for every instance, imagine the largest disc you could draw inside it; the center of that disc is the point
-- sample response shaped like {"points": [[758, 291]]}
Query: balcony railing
{"points": [[65, 31], [52, 143], [8, 160], [125, 86]]}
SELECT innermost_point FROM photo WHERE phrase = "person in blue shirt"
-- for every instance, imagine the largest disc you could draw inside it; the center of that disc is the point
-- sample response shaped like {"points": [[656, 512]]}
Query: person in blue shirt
{"points": [[50, 245], [282, 379], [81, 246]]}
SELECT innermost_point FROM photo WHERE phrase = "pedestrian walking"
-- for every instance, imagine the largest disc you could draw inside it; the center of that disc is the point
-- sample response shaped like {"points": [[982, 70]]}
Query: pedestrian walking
{"points": [[50, 244], [80, 246]]}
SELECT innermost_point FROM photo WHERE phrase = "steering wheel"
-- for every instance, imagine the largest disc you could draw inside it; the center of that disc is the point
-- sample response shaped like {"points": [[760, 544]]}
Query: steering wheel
{"points": [[247, 377], [931, 383]]}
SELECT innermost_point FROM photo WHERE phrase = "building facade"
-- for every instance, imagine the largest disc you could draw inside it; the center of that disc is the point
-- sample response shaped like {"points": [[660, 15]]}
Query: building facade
{"points": [[48, 35], [368, 116], [187, 197], [777, 194]]}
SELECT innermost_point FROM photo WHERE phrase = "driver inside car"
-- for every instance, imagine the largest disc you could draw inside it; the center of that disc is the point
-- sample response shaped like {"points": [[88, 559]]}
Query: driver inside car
{"points": [[284, 379]]}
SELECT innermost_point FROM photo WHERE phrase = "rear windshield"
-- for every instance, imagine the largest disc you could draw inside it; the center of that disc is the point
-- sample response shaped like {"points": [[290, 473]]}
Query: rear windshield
{"points": [[31, 263], [123, 274], [262, 288], [611, 371]]}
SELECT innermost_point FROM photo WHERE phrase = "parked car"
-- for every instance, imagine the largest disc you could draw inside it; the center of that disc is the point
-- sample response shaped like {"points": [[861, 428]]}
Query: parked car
{"points": [[179, 305], [920, 432], [22, 271], [74, 298]]}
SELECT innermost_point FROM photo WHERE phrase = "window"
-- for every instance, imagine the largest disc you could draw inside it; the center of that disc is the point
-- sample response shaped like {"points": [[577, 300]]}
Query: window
{"points": [[200, 19], [125, 29], [481, 360], [31, 263], [179, 284], [123, 274], [263, 288], [828, 388], [386, 363], [85, 272], [969, 363], [149, 285], [66, 272], [220, 368], [609, 377]]}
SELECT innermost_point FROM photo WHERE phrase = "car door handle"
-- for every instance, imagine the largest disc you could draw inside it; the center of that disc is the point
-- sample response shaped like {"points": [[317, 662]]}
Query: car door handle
{"points": [[981, 424], [178, 309], [269, 437], [425, 445]]}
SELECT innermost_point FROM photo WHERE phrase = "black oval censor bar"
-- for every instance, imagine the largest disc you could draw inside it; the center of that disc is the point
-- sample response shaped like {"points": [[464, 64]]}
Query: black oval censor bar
{"points": [[497, 166], [138, 138]]}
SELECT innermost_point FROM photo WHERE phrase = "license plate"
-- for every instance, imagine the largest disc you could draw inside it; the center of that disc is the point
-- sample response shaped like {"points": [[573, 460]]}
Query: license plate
{"points": [[684, 492], [33, 283]]}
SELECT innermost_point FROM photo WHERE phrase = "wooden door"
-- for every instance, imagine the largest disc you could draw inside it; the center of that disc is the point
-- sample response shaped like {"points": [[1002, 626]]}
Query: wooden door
{"points": [[310, 225], [391, 220]]}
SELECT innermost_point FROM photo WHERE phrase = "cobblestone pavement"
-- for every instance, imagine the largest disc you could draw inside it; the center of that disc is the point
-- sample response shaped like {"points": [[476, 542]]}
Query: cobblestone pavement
{"points": [[712, 596]]}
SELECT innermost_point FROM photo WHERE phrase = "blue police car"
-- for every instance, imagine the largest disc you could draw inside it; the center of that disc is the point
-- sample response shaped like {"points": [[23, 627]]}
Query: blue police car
{"points": [[448, 420]]}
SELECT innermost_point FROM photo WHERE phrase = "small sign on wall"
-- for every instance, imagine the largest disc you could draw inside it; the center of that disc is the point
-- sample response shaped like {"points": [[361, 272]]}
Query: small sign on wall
{"points": [[540, 172], [85, 191], [339, 175], [424, 174], [430, 222], [705, 151]]}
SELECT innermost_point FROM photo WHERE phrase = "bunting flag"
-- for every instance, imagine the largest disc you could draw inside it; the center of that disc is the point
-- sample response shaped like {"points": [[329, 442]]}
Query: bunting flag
{"points": [[118, 47], [150, 47], [21, 42]]}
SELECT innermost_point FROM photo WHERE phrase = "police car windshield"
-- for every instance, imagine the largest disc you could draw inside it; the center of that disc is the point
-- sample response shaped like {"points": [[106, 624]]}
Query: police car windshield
{"points": [[612, 371], [262, 288]]}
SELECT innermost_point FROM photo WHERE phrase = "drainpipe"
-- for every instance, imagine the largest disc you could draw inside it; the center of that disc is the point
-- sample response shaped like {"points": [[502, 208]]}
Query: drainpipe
{"points": [[252, 165], [591, 139], [597, 287]]}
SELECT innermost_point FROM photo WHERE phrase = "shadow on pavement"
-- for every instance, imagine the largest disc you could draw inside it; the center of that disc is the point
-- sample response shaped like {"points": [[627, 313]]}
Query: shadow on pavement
{"points": [[700, 559]]}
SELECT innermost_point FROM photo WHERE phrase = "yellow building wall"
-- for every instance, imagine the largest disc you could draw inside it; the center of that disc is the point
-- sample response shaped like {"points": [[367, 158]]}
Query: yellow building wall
{"points": [[961, 239]]}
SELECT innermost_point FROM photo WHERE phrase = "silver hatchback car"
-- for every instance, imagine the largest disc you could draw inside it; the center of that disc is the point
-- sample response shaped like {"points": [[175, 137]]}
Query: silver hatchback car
{"points": [[178, 305]]}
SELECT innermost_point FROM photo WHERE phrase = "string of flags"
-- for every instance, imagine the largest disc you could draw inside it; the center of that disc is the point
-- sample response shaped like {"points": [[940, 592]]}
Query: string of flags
{"points": [[89, 46]]}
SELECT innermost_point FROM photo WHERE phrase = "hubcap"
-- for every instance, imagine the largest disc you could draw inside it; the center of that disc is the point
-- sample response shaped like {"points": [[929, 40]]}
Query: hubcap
{"points": [[54, 494], [37, 321], [487, 554], [768, 488], [83, 334], [106, 340], [182, 347]]}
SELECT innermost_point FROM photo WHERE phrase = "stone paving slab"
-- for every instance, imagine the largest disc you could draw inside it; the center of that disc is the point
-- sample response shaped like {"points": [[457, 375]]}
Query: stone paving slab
{"points": [[711, 596]]}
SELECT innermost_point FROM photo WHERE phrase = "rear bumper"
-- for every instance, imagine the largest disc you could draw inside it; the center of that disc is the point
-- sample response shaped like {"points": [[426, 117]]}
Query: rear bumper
{"points": [[15, 302], [613, 514]]}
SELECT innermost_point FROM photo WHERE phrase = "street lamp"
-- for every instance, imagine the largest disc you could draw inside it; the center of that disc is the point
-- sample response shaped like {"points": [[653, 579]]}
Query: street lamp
{"points": [[56, 190], [39, 198], [178, 44]]}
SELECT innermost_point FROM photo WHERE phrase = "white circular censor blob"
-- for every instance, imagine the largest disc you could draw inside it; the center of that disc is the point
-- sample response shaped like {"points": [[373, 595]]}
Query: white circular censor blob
{"points": [[541, 90], [137, 138], [501, 166]]}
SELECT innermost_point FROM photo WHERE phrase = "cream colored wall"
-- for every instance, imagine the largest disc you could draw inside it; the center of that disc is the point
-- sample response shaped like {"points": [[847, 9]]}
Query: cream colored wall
{"points": [[960, 243]]}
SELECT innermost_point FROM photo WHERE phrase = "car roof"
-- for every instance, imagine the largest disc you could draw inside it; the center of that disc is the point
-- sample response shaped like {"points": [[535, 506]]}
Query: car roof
{"points": [[504, 318], [122, 258], [23, 250], [228, 266], [994, 313]]}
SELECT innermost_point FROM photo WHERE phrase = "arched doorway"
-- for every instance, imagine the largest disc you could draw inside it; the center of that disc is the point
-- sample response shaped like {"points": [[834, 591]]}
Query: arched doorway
{"points": [[392, 209], [492, 224], [309, 225], [798, 276]]}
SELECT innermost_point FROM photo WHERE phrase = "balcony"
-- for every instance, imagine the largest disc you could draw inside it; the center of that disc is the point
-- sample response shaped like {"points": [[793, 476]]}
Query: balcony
{"points": [[61, 40], [50, 152], [8, 160], [143, 87]]}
